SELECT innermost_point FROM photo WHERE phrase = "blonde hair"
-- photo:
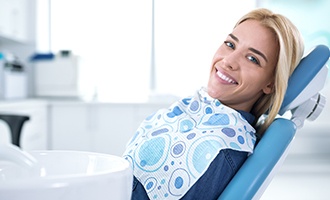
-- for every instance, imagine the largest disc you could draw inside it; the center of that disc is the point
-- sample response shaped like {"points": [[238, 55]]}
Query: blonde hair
{"points": [[291, 48]]}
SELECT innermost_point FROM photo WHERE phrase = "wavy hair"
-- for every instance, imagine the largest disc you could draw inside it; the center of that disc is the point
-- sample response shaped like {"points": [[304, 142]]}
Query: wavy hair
{"points": [[291, 49]]}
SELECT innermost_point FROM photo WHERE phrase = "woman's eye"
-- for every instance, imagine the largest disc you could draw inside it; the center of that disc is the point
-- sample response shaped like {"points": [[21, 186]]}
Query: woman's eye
{"points": [[253, 59], [229, 44]]}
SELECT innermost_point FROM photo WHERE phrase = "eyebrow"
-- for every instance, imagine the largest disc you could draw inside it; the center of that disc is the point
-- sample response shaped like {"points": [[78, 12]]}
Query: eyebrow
{"points": [[251, 49]]}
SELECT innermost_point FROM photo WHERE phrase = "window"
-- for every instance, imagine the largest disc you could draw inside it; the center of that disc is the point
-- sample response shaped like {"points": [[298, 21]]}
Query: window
{"points": [[118, 44]]}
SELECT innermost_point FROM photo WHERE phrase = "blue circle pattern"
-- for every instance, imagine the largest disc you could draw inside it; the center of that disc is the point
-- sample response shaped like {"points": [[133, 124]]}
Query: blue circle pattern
{"points": [[174, 147], [203, 153]]}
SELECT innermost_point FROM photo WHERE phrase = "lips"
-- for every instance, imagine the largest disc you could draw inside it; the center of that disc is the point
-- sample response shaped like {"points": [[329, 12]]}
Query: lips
{"points": [[226, 78]]}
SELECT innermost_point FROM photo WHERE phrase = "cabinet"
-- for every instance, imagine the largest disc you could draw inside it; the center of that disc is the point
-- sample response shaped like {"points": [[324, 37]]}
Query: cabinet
{"points": [[14, 17], [98, 127], [17, 33], [34, 133], [76, 125]]}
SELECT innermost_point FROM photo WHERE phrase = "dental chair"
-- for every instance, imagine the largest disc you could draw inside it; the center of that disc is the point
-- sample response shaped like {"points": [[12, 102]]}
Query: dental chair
{"points": [[302, 101]]}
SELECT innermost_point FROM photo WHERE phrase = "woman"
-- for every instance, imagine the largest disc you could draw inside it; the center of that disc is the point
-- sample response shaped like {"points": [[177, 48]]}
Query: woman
{"points": [[194, 148]]}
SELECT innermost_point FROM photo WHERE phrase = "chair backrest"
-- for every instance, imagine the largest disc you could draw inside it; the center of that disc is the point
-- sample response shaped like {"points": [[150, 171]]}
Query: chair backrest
{"points": [[256, 173], [308, 78]]}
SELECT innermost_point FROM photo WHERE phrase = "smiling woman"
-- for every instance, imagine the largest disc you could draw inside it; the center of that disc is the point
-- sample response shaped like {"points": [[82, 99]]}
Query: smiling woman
{"points": [[192, 149], [249, 53]]}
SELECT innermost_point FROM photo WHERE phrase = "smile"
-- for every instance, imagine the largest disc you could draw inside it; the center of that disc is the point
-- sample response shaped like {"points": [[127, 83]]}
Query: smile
{"points": [[225, 78]]}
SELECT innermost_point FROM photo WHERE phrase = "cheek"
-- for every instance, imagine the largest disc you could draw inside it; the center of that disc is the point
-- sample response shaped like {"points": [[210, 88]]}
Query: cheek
{"points": [[256, 79], [212, 69], [264, 81]]}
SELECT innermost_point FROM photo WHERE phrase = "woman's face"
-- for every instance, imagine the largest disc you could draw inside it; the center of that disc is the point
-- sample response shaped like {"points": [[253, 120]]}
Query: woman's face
{"points": [[244, 65]]}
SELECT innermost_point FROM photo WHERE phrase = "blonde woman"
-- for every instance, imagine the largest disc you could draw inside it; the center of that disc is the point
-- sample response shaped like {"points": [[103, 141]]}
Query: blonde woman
{"points": [[193, 149]]}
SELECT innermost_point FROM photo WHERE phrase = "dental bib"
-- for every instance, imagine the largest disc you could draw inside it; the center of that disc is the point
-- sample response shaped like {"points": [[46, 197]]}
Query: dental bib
{"points": [[173, 148]]}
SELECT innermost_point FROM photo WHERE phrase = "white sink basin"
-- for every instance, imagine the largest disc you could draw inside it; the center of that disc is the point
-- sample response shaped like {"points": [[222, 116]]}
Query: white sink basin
{"points": [[63, 175]]}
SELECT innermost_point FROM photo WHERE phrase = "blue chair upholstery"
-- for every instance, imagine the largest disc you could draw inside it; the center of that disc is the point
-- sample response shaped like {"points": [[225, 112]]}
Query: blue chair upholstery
{"points": [[256, 173]]}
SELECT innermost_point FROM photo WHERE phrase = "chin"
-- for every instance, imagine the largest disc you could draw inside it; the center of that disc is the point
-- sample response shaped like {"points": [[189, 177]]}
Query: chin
{"points": [[211, 92]]}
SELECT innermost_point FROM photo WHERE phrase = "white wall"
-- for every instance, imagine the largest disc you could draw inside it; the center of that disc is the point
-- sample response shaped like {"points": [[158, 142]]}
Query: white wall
{"points": [[114, 40]]}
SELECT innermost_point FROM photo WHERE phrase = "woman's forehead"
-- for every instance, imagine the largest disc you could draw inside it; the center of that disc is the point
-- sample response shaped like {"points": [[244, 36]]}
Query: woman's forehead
{"points": [[252, 34]]}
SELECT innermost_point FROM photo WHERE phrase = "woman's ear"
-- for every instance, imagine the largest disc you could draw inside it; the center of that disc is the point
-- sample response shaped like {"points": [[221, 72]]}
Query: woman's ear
{"points": [[269, 88]]}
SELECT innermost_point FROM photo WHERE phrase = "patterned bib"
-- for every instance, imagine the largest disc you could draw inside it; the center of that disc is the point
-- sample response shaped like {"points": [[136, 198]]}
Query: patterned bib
{"points": [[173, 148]]}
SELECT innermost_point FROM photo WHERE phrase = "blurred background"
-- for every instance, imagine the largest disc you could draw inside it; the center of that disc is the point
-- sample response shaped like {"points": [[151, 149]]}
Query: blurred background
{"points": [[88, 72]]}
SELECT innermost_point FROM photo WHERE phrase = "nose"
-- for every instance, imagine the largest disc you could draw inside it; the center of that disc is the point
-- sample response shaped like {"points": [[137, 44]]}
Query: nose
{"points": [[231, 60]]}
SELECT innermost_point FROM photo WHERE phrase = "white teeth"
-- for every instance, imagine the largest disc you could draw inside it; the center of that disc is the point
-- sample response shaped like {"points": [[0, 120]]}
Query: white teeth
{"points": [[225, 78]]}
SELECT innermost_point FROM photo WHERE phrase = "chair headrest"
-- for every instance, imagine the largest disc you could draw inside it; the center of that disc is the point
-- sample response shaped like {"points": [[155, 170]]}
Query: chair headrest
{"points": [[307, 79]]}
